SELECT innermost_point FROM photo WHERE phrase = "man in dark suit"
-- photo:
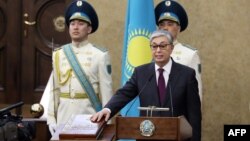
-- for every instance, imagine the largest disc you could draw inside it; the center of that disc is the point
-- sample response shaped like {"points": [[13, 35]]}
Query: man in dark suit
{"points": [[162, 83]]}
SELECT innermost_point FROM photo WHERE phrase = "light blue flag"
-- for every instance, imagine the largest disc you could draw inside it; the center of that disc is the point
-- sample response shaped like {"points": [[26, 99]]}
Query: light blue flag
{"points": [[140, 23]]}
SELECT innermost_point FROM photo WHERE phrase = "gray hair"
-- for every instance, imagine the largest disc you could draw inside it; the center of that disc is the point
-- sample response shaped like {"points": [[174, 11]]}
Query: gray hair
{"points": [[164, 33]]}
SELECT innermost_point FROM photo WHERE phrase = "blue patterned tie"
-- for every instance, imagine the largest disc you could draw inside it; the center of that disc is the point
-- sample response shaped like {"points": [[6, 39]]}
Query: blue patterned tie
{"points": [[161, 85]]}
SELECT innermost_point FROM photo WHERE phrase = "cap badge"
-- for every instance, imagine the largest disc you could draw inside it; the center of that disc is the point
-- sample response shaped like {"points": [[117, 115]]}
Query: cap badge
{"points": [[167, 14], [79, 3], [77, 14], [168, 3]]}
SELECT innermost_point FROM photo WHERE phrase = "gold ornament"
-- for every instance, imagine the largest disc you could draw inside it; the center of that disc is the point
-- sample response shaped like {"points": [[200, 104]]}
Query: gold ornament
{"points": [[37, 110]]}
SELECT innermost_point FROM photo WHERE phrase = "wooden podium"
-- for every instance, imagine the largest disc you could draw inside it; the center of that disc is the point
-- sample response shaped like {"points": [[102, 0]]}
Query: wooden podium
{"points": [[166, 128]]}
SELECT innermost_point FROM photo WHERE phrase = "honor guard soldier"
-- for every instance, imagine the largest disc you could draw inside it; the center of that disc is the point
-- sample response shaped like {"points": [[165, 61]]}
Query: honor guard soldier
{"points": [[171, 16], [82, 81]]}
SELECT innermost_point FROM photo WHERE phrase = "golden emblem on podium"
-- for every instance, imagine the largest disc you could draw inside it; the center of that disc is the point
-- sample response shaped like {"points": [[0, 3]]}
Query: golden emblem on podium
{"points": [[147, 128]]}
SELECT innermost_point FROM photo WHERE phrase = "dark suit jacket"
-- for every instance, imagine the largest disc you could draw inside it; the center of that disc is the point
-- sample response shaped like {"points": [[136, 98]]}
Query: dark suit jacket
{"points": [[182, 87]]}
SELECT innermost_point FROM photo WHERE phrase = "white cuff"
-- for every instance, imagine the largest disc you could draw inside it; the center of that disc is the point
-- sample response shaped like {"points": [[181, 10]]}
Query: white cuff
{"points": [[107, 110]]}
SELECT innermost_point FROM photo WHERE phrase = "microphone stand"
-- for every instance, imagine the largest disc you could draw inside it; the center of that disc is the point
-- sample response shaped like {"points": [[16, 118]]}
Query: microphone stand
{"points": [[151, 109]]}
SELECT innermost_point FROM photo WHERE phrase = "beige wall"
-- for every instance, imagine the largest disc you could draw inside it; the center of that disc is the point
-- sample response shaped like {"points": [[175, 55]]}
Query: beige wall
{"points": [[219, 29]]}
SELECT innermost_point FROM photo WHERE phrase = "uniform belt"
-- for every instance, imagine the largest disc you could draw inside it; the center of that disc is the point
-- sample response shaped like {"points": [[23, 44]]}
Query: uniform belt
{"points": [[77, 95]]}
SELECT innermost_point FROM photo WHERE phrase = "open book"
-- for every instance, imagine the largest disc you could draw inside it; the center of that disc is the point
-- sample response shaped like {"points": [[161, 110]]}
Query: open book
{"points": [[80, 127]]}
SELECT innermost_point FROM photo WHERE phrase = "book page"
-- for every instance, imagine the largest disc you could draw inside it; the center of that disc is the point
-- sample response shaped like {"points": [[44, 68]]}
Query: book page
{"points": [[80, 124]]}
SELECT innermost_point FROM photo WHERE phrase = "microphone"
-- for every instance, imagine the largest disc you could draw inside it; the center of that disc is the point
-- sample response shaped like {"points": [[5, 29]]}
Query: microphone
{"points": [[7, 109], [171, 99], [148, 80]]}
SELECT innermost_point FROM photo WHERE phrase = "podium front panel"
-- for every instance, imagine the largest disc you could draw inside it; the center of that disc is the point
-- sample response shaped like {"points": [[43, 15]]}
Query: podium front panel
{"points": [[129, 128]]}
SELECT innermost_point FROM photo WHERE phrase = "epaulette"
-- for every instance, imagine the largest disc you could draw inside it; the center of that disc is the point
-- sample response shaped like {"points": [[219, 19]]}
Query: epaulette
{"points": [[100, 48], [190, 47], [56, 49]]}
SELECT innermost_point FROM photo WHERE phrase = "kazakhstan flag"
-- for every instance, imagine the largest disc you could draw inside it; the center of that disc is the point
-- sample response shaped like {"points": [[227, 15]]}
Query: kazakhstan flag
{"points": [[140, 23]]}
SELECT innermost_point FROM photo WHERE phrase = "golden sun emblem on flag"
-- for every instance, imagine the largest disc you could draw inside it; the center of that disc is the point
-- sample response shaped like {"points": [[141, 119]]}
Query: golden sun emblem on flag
{"points": [[138, 51]]}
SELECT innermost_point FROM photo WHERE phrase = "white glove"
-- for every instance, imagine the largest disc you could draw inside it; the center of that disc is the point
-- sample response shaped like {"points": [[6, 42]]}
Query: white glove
{"points": [[52, 128]]}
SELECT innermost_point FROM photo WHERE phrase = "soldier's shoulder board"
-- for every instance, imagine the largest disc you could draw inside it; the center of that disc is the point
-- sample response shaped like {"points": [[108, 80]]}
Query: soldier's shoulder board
{"points": [[61, 47], [100, 48], [58, 48], [190, 47]]}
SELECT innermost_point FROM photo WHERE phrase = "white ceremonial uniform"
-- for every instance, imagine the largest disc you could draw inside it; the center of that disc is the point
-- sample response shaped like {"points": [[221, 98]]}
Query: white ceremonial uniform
{"points": [[44, 100], [68, 97], [188, 56]]}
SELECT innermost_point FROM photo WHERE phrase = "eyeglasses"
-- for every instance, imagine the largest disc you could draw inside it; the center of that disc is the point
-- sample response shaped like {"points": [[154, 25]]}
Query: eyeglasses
{"points": [[161, 46]]}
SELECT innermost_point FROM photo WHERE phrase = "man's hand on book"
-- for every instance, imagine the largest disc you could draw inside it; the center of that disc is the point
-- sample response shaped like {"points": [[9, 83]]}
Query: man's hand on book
{"points": [[104, 114]]}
